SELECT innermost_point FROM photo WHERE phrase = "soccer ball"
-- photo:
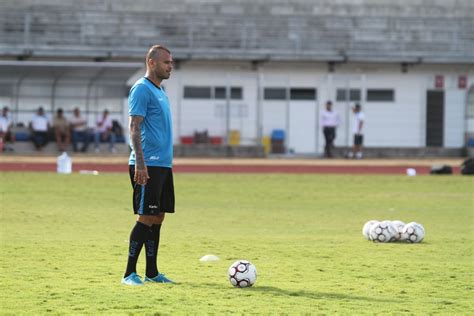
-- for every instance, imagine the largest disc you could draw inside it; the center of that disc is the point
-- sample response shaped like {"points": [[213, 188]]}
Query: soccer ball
{"points": [[399, 226], [366, 228], [413, 232], [242, 273], [383, 232]]}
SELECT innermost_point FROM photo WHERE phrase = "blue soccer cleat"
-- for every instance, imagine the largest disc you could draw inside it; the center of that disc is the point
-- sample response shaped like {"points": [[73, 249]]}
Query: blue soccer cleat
{"points": [[160, 278], [132, 279]]}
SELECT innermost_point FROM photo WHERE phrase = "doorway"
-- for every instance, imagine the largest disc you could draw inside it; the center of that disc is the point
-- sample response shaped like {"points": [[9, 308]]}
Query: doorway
{"points": [[434, 118]]}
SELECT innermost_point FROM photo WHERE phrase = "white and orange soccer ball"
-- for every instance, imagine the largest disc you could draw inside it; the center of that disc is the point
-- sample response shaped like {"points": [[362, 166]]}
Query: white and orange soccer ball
{"points": [[242, 273]]}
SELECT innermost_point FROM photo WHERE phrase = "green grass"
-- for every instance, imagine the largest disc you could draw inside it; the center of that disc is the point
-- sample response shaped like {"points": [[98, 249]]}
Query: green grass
{"points": [[64, 245]]}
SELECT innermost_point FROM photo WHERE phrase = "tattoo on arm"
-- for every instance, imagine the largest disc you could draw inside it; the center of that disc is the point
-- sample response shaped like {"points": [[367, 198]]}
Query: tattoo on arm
{"points": [[136, 139]]}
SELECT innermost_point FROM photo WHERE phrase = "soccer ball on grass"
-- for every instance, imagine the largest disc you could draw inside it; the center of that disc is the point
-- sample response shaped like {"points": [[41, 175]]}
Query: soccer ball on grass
{"points": [[399, 226], [383, 232], [366, 228], [242, 273], [413, 232]]}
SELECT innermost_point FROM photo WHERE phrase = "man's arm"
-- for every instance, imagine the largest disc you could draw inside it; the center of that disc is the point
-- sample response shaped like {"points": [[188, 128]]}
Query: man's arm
{"points": [[78, 123], [141, 172], [361, 124]]}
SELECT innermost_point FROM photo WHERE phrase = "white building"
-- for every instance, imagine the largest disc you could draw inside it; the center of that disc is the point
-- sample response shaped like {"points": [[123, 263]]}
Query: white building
{"points": [[403, 107]]}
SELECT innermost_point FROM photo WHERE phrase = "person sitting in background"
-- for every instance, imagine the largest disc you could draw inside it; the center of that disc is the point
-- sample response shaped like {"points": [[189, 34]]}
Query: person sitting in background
{"points": [[61, 130], [103, 131], [6, 134], [39, 126], [79, 130]]}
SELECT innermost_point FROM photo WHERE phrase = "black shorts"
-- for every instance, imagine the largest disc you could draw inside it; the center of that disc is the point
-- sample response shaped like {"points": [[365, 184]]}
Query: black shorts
{"points": [[157, 195], [358, 139]]}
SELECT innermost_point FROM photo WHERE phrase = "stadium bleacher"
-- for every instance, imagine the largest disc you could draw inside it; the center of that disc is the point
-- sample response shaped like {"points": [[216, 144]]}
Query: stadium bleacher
{"points": [[298, 30]]}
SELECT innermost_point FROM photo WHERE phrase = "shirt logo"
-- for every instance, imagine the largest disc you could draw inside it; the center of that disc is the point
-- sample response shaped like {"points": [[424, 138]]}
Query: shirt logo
{"points": [[154, 157], [152, 206]]}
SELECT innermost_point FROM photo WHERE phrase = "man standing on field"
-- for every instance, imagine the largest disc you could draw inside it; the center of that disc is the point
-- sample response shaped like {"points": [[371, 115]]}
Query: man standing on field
{"points": [[150, 164], [359, 119]]}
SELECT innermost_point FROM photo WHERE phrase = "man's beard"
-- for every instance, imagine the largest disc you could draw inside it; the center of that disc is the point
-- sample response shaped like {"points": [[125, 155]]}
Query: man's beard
{"points": [[163, 75]]}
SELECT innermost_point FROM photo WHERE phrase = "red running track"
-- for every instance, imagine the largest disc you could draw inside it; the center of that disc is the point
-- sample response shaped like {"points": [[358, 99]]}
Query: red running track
{"points": [[222, 168]]}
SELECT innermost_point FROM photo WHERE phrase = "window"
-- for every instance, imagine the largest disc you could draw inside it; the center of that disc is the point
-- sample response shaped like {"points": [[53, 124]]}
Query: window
{"points": [[383, 95], [206, 93], [348, 95], [302, 94], [274, 94], [219, 93], [354, 95], [197, 92], [341, 95], [236, 93]]}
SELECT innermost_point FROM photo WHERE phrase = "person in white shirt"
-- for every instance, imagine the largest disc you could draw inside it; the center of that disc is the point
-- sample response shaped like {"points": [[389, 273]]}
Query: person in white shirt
{"points": [[80, 132], [39, 126], [6, 134], [103, 132], [329, 121], [359, 119]]}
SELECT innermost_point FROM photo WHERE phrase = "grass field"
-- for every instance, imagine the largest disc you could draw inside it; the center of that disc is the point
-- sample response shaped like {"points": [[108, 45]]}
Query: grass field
{"points": [[64, 244]]}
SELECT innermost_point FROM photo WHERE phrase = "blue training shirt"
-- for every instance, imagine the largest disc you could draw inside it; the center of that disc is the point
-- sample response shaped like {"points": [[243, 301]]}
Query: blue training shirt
{"points": [[151, 102]]}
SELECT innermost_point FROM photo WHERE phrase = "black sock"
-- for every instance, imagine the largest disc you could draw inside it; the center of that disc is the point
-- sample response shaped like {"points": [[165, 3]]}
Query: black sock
{"points": [[151, 247], [138, 236]]}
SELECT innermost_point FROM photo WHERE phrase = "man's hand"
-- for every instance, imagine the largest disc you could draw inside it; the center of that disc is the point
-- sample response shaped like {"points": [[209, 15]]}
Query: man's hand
{"points": [[141, 175]]}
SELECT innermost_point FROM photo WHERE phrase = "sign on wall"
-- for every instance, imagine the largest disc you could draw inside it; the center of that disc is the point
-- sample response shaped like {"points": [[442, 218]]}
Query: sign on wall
{"points": [[439, 81], [462, 82]]}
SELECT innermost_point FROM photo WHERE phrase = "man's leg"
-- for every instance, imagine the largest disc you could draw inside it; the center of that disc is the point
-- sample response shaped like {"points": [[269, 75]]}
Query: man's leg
{"points": [[59, 140], [44, 139], [38, 140], [353, 152], [333, 138], [165, 204], [358, 146], [67, 139], [112, 139], [358, 154], [75, 138], [139, 235], [97, 136], [152, 245], [152, 253], [86, 139], [326, 139], [34, 138], [8, 137], [2, 141], [330, 140]]}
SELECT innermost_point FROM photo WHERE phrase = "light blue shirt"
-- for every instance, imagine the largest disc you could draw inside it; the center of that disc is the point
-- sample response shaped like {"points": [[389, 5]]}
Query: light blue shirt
{"points": [[151, 102]]}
